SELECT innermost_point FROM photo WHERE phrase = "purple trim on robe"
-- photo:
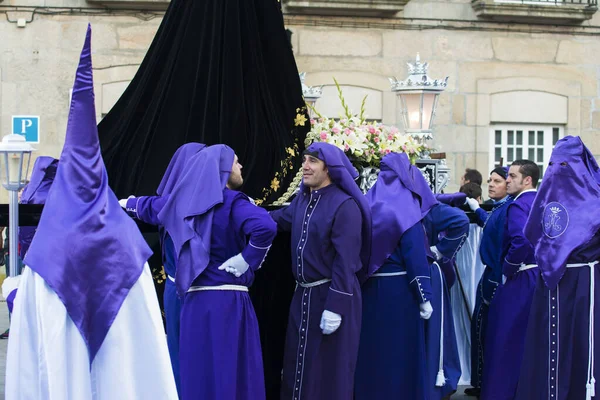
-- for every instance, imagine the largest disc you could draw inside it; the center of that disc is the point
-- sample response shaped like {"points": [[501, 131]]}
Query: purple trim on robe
{"points": [[399, 199], [86, 248], [560, 218]]}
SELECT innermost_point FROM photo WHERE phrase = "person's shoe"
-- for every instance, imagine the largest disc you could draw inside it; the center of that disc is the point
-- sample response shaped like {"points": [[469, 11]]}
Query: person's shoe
{"points": [[475, 392], [4, 335]]}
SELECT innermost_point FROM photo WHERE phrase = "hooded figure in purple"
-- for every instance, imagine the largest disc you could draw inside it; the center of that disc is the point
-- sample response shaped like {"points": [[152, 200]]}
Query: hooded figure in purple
{"points": [[146, 209], [86, 310], [509, 310], [330, 224], [220, 238], [397, 295], [561, 360]]}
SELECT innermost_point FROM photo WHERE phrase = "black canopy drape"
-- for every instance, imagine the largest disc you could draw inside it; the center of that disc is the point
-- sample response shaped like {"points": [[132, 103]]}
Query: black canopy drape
{"points": [[218, 71]]}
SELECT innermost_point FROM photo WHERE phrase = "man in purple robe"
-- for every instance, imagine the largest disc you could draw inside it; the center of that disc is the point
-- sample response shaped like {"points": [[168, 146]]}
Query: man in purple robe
{"points": [[220, 238], [146, 209], [564, 226], [397, 296], [330, 223], [509, 311]]}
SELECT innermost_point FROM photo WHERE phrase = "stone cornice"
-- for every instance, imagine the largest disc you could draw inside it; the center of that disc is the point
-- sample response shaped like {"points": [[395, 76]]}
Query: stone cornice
{"points": [[352, 8], [133, 4], [529, 11]]}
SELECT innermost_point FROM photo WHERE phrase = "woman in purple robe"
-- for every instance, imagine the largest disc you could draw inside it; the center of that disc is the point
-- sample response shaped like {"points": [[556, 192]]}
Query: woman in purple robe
{"points": [[561, 360], [330, 222], [221, 239], [392, 361]]}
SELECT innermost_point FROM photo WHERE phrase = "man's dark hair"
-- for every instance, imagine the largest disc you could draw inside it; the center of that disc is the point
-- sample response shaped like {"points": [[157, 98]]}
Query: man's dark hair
{"points": [[473, 176], [528, 168], [472, 190]]}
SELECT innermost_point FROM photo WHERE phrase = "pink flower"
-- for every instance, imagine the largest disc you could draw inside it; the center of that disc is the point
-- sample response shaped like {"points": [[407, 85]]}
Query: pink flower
{"points": [[336, 130], [371, 129], [376, 139], [347, 131], [346, 147], [313, 121], [323, 135], [388, 151], [390, 137], [404, 147], [321, 120], [381, 151]]}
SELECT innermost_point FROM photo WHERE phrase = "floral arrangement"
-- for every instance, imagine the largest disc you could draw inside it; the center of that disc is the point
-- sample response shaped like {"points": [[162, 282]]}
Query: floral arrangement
{"points": [[365, 143]]}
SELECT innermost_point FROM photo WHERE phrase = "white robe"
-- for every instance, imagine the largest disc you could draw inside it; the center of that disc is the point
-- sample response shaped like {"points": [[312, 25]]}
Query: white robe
{"points": [[470, 268], [47, 358]]}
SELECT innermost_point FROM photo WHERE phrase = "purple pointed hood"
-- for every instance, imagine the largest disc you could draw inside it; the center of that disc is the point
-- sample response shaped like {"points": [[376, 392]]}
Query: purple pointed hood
{"points": [[187, 215], [42, 176], [564, 214], [399, 199], [343, 174], [86, 248]]}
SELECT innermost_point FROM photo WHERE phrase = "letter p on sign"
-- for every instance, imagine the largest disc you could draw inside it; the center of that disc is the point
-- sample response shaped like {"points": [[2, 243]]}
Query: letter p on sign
{"points": [[28, 126]]}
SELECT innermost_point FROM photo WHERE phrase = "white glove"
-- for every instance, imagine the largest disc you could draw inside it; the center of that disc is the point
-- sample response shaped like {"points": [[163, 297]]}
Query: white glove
{"points": [[330, 322], [236, 265], [436, 253], [473, 204], [123, 202], [426, 310]]}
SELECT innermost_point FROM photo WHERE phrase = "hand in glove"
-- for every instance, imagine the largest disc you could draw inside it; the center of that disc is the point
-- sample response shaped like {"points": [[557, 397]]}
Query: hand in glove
{"points": [[123, 202], [436, 253], [473, 204], [236, 265], [426, 310], [330, 322]]}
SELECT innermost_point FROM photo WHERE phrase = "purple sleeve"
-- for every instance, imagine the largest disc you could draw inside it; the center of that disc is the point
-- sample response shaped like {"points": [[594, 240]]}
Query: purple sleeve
{"points": [[412, 247], [452, 199], [346, 239], [258, 226], [519, 247], [146, 208], [482, 216], [283, 218]]}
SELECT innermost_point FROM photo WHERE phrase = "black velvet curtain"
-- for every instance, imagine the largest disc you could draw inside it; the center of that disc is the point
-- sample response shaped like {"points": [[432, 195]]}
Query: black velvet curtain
{"points": [[218, 71]]}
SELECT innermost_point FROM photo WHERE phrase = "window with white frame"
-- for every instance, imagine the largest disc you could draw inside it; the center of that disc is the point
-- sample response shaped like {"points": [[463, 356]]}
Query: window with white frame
{"points": [[531, 142]]}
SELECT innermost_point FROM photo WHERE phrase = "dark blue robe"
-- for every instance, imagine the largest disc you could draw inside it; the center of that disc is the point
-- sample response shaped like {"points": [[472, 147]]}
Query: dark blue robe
{"points": [[326, 243]]}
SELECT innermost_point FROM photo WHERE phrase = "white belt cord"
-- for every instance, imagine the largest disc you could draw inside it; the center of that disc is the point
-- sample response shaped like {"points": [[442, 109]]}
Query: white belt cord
{"points": [[171, 278], [590, 386], [441, 378], [313, 284], [389, 273], [235, 288], [525, 267]]}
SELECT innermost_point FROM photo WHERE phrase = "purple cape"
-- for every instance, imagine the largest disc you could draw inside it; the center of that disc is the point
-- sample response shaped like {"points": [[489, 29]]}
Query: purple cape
{"points": [[86, 248], [42, 175], [343, 174], [176, 167], [564, 213], [188, 213], [399, 199]]}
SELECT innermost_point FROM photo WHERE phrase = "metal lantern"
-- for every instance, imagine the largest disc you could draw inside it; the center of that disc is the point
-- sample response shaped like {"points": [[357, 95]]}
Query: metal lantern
{"points": [[418, 97], [310, 93], [15, 157]]}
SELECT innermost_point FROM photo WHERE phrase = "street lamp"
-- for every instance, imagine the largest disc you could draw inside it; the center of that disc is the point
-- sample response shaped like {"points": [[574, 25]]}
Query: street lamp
{"points": [[418, 96], [311, 94], [15, 155]]}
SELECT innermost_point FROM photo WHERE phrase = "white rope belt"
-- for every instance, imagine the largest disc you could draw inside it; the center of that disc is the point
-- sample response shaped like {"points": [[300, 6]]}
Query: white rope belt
{"points": [[235, 288], [313, 284], [525, 267], [440, 379], [591, 381], [390, 273], [171, 278]]}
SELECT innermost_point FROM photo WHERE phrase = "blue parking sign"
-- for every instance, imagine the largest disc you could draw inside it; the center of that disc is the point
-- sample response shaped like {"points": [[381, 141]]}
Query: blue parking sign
{"points": [[28, 126]]}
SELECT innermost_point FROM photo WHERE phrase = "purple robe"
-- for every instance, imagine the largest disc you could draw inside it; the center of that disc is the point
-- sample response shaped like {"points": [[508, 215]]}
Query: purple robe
{"points": [[220, 354], [326, 246], [561, 353], [509, 310]]}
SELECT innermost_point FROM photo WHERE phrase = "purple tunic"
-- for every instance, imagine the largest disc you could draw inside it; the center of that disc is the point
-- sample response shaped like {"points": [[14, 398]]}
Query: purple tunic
{"points": [[220, 355], [509, 310], [326, 245]]}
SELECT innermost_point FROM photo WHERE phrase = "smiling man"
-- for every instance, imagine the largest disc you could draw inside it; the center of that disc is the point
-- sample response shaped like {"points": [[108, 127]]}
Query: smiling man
{"points": [[330, 222]]}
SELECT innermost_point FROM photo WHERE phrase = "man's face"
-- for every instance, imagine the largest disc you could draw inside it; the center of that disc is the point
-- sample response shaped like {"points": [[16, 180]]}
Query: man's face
{"points": [[235, 180], [496, 187], [515, 182], [314, 173]]}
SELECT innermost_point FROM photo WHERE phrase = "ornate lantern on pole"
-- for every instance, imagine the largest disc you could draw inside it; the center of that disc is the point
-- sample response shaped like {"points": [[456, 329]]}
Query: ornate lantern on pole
{"points": [[15, 156], [418, 98], [310, 93]]}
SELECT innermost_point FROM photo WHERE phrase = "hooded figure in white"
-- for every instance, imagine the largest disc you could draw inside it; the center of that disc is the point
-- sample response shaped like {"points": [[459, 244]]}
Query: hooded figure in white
{"points": [[86, 324]]}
